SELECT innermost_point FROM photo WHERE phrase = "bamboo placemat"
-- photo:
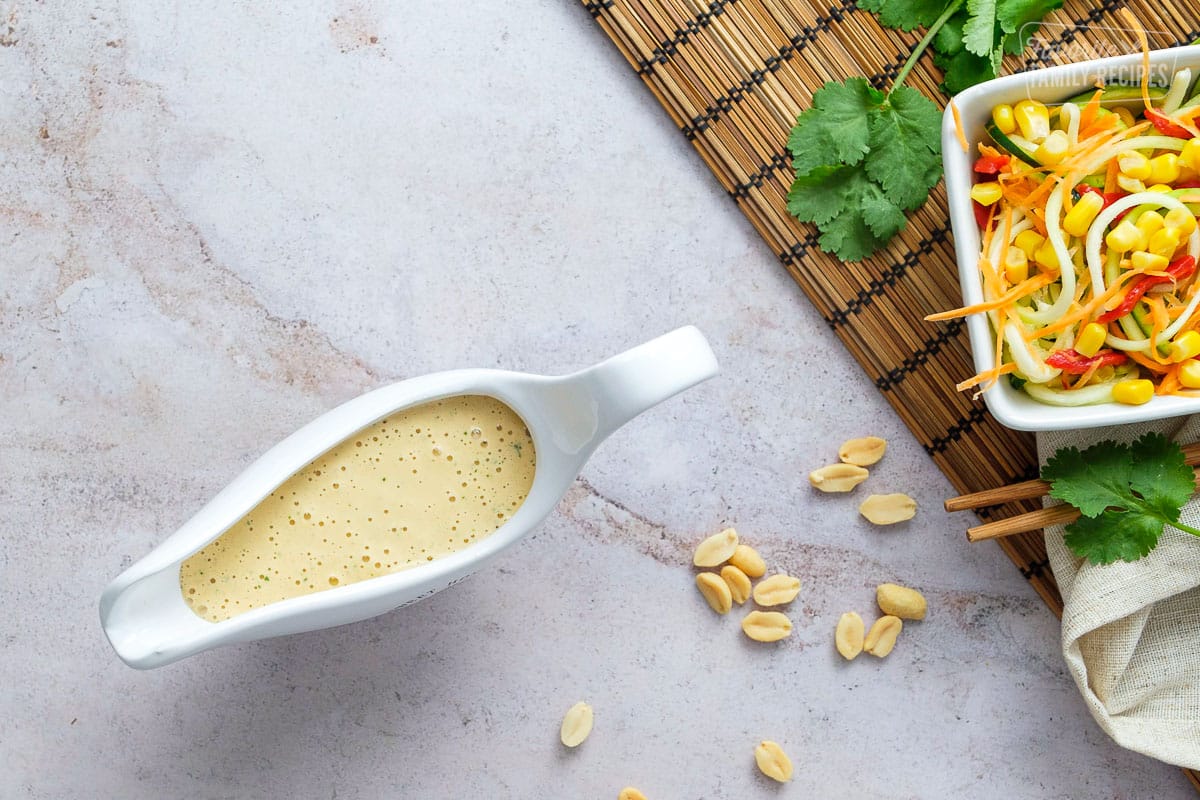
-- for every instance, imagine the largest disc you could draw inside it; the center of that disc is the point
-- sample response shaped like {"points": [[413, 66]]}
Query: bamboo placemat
{"points": [[733, 75]]}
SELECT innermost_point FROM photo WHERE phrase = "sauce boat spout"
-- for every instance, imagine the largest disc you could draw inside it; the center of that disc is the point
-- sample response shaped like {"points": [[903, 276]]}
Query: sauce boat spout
{"points": [[632, 382]]}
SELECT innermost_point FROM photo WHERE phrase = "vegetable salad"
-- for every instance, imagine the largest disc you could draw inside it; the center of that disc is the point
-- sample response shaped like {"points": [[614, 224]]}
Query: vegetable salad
{"points": [[1090, 244]]}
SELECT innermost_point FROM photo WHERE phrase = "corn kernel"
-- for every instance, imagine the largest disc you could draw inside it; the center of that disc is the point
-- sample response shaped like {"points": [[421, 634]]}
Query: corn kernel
{"points": [[1161, 188], [1165, 242], [1150, 223], [1090, 339], [1029, 241], [1016, 265], [1080, 217], [1134, 164], [1190, 155], [1033, 119], [1053, 148], [1125, 237], [1148, 262], [1180, 219], [1164, 168], [1002, 115], [1131, 185], [1185, 346], [1189, 374], [1134, 392], [1046, 258], [986, 194]]}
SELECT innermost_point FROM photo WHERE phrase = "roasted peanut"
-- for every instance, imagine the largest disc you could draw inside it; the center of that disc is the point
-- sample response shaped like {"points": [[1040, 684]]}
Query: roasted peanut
{"points": [[777, 590], [837, 477], [747, 559], [773, 762], [886, 509], [716, 549], [767, 626], [882, 636], [900, 601], [738, 583], [715, 591], [849, 635], [864, 452], [576, 725], [630, 793]]}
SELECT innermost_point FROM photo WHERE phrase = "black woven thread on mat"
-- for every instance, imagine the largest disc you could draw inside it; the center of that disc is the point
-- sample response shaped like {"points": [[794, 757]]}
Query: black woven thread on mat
{"points": [[756, 181], [681, 36], [1035, 569], [800, 249], [920, 357], [956, 431], [890, 276], [734, 94], [594, 7]]}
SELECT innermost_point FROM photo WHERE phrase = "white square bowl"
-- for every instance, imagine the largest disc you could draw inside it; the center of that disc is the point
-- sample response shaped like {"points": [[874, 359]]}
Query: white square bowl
{"points": [[1010, 406]]}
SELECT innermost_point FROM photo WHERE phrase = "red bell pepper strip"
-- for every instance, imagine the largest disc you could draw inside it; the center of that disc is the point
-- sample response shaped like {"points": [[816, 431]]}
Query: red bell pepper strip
{"points": [[1179, 269], [1073, 363], [991, 165], [1165, 126], [982, 215]]}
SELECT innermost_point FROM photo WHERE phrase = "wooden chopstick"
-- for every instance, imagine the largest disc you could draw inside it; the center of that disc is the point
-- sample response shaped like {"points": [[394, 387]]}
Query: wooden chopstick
{"points": [[1030, 490], [1023, 523]]}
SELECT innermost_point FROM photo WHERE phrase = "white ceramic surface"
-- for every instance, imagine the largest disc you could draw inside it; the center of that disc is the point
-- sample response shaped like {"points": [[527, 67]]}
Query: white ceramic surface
{"points": [[1010, 406], [143, 612]]}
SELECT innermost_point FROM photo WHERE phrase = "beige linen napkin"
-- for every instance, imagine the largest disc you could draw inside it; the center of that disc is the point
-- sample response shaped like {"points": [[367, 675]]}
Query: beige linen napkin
{"points": [[1131, 632]]}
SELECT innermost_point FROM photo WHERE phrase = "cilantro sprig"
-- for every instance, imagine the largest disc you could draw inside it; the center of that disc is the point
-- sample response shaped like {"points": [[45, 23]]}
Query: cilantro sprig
{"points": [[863, 157], [1125, 495]]}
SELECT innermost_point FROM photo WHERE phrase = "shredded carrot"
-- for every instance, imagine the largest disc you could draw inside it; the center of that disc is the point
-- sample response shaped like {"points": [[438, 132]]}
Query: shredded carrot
{"points": [[1087, 311], [1140, 32], [1158, 323], [1170, 382], [1110, 176], [1089, 112], [1143, 361], [958, 127], [1025, 287], [986, 375]]}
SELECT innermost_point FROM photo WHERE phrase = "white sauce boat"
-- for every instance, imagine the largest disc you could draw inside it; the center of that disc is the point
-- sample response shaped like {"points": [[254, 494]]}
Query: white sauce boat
{"points": [[149, 624]]}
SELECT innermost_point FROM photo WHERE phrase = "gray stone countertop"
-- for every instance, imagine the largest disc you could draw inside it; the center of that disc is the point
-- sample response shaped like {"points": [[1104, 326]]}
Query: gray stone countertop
{"points": [[219, 220]]}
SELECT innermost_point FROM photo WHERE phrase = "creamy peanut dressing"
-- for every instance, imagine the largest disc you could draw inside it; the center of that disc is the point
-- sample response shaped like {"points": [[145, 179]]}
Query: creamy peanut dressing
{"points": [[423, 483]]}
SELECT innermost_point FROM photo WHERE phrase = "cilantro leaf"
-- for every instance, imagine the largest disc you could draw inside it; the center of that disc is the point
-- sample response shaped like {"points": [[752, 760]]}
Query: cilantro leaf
{"points": [[849, 235], [979, 31], [822, 194], [1092, 479], [1021, 19], [905, 153], [883, 217], [1113, 536], [906, 14], [1125, 494], [862, 157], [1161, 475], [853, 214], [835, 130]]}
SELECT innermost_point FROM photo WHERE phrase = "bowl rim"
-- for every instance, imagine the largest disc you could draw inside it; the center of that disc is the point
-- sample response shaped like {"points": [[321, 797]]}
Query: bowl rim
{"points": [[1010, 407]]}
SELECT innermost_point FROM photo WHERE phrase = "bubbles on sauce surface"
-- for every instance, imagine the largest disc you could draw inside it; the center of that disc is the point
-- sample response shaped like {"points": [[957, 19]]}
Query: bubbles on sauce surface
{"points": [[396, 494]]}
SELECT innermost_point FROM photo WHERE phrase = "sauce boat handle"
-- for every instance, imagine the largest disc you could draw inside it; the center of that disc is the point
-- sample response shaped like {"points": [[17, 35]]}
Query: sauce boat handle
{"points": [[633, 381]]}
